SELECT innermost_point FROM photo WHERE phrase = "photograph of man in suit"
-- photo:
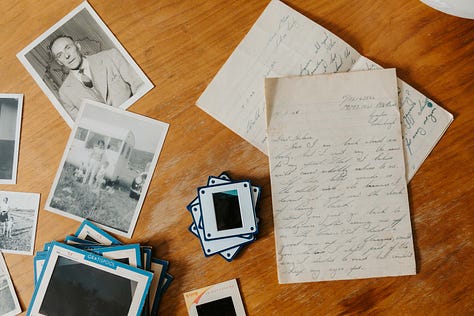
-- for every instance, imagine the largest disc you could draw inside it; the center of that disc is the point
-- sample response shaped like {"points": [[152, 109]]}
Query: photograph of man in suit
{"points": [[105, 77]]}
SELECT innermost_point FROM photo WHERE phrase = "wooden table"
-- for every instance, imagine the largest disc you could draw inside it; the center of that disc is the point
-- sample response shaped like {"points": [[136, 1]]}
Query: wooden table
{"points": [[181, 45]]}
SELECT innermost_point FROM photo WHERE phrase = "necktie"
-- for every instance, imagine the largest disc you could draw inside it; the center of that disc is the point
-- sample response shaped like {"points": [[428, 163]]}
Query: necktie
{"points": [[85, 79]]}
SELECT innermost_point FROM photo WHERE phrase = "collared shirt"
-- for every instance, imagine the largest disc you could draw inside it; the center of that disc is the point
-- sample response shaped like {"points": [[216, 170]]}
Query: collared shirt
{"points": [[86, 67], [87, 71]]}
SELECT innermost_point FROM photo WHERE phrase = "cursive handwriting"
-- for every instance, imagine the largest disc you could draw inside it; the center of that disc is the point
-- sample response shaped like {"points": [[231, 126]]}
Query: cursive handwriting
{"points": [[338, 182]]}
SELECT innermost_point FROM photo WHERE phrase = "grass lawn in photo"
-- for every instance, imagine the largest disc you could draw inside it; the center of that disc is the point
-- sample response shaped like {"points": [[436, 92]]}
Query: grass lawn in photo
{"points": [[22, 230], [107, 167], [111, 206]]}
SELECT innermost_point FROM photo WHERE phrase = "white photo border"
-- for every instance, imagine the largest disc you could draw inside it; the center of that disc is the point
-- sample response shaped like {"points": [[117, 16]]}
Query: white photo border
{"points": [[35, 201], [38, 263], [219, 245], [76, 241], [208, 211], [213, 293], [87, 228], [147, 84], [146, 185], [19, 98], [130, 251], [17, 309], [146, 256], [142, 277], [159, 268]]}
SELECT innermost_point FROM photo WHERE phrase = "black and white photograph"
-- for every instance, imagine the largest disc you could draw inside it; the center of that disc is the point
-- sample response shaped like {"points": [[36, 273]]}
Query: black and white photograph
{"points": [[11, 106], [18, 218], [9, 304], [79, 58], [107, 167], [76, 282]]}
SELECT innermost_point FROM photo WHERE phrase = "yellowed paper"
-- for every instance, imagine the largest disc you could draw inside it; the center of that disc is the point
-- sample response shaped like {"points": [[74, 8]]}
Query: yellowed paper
{"points": [[423, 121], [283, 42], [339, 193]]}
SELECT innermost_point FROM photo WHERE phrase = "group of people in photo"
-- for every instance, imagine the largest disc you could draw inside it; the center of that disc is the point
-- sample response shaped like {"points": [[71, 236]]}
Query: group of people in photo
{"points": [[93, 172]]}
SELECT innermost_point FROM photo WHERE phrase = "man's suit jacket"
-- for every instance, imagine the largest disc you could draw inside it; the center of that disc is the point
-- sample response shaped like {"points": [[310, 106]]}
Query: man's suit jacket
{"points": [[113, 78]]}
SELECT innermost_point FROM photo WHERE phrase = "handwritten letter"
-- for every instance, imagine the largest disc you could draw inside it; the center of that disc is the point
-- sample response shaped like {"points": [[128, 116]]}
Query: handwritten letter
{"points": [[283, 42], [423, 121], [339, 192]]}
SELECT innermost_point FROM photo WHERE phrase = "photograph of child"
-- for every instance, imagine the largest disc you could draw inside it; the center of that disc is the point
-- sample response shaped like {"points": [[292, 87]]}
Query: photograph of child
{"points": [[95, 163], [18, 217], [107, 167], [5, 218]]}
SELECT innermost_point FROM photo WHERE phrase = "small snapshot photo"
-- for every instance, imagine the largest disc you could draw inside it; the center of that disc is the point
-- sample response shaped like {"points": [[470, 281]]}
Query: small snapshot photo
{"points": [[79, 58], [10, 123], [107, 167], [18, 218], [9, 304]]}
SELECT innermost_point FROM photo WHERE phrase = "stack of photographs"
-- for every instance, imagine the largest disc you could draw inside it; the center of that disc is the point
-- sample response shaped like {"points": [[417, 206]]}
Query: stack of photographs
{"points": [[93, 273], [224, 215]]}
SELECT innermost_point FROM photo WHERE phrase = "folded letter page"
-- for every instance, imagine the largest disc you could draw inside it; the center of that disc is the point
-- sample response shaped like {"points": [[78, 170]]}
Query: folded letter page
{"points": [[284, 42], [340, 201]]}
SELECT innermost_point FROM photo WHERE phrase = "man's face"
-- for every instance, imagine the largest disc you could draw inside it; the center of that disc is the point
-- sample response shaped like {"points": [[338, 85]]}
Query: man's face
{"points": [[66, 52]]}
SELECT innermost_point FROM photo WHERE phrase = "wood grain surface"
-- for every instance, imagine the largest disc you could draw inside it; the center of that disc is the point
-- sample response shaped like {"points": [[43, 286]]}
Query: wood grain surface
{"points": [[181, 45]]}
